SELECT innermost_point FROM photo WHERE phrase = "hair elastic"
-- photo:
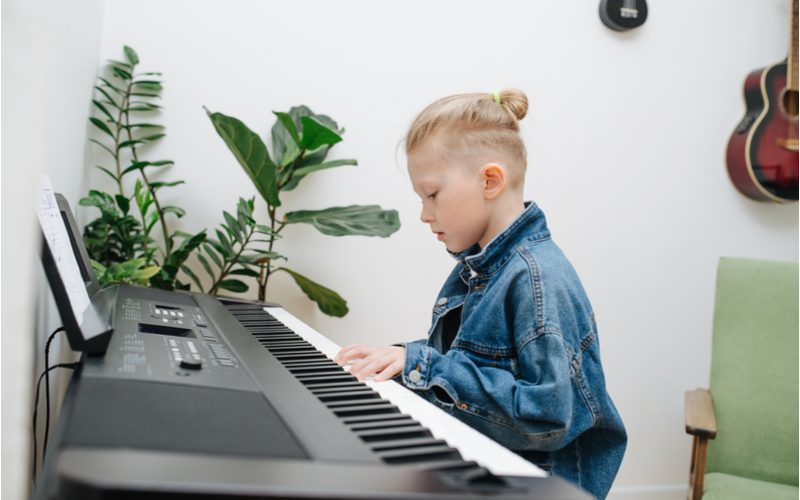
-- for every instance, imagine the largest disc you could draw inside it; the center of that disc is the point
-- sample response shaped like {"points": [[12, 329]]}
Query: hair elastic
{"points": [[496, 96]]}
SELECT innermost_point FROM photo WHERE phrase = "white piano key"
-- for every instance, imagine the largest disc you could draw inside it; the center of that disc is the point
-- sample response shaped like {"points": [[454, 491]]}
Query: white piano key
{"points": [[472, 444]]}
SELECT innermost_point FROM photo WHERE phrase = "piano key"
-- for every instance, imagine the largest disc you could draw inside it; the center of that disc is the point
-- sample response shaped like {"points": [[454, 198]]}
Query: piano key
{"points": [[472, 445]]}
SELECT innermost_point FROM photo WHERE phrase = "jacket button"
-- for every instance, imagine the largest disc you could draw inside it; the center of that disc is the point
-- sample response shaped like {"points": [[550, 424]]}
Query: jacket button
{"points": [[441, 301], [414, 376], [463, 406]]}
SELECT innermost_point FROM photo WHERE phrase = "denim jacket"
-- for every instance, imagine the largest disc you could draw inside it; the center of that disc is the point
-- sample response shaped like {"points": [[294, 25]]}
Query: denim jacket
{"points": [[513, 352]]}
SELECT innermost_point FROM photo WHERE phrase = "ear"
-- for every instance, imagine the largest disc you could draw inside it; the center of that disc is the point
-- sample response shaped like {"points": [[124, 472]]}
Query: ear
{"points": [[494, 178]]}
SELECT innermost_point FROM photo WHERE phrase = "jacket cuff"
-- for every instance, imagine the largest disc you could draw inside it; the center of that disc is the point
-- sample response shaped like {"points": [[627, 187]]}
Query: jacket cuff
{"points": [[417, 369]]}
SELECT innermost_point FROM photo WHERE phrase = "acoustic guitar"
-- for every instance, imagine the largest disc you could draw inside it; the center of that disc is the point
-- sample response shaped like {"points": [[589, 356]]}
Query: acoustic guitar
{"points": [[762, 151]]}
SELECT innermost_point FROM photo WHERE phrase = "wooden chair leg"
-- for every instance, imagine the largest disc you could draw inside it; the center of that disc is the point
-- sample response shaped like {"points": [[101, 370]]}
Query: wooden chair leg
{"points": [[697, 469]]}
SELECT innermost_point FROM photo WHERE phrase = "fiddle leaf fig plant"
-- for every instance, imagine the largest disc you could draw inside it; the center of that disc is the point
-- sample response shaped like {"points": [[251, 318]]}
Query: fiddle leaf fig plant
{"points": [[300, 142]]}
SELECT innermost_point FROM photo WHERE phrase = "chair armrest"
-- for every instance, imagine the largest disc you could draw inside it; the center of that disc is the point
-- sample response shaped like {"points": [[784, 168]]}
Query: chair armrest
{"points": [[700, 419]]}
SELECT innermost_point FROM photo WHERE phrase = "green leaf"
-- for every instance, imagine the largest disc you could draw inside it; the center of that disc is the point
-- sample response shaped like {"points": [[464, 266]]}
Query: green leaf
{"points": [[234, 285], [103, 146], [245, 272], [160, 184], [143, 125], [300, 173], [128, 144], [316, 134], [286, 121], [226, 244], [205, 264], [103, 109], [179, 212], [109, 172], [123, 203], [193, 276], [121, 73], [153, 85], [145, 273], [131, 54], [365, 220], [154, 137], [107, 96], [329, 302], [110, 85], [137, 165], [234, 229], [252, 154], [102, 126]]}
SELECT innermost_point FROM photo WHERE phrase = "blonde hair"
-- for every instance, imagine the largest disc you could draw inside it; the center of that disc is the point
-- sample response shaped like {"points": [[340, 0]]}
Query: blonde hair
{"points": [[465, 122]]}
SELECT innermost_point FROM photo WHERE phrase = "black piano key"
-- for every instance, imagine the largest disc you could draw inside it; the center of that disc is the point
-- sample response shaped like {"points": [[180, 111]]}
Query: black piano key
{"points": [[376, 418], [360, 410], [389, 434], [409, 443], [316, 369], [394, 424], [336, 387], [423, 454], [347, 396], [306, 356], [331, 377], [358, 404], [309, 362]]}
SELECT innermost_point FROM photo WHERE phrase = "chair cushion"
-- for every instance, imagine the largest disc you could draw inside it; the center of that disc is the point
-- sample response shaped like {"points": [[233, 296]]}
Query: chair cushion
{"points": [[718, 486], [754, 371]]}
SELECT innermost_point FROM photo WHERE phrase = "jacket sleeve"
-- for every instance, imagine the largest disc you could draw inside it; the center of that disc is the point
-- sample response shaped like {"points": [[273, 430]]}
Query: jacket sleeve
{"points": [[532, 411]]}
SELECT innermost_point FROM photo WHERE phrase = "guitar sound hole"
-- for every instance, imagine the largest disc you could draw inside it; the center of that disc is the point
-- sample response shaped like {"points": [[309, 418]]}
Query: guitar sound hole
{"points": [[789, 101]]}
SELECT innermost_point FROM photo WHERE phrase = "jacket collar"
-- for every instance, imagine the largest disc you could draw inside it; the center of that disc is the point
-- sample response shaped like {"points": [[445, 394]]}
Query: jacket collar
{"points": [[530, 225]]}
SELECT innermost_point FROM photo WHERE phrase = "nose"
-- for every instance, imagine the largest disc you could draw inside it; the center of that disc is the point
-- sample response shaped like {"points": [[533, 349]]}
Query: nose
{"points": [[426, 215]]}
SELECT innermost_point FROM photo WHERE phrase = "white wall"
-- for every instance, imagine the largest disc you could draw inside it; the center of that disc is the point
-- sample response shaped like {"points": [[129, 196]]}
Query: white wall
{"points": [[626, 136], [49, 61]]}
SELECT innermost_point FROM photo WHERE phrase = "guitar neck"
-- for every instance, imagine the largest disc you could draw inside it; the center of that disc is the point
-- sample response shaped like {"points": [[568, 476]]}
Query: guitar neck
{"points": [[792, 62]]}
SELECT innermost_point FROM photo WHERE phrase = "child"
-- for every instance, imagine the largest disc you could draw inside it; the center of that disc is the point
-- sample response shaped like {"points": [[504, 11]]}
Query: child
{"points": [[513, 348]]}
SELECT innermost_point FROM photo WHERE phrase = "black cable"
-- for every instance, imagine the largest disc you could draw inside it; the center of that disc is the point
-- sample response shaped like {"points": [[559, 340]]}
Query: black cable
{"points": [[36, 401], [47, 387], [36, 406]]}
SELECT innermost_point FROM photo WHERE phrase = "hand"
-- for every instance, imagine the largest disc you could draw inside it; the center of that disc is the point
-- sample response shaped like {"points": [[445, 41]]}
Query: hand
{"points": [[384, 362]]}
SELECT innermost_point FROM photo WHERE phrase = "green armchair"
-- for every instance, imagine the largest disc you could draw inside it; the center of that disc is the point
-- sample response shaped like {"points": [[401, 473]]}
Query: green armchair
{"points": [[745, 427]]}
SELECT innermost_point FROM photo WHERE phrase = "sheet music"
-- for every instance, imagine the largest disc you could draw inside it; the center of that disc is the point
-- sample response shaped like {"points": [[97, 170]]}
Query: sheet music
{"points": [[55, 234]]}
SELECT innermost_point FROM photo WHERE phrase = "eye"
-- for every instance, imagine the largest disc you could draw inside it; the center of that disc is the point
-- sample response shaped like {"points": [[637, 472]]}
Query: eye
{"points": [[432, 196]]}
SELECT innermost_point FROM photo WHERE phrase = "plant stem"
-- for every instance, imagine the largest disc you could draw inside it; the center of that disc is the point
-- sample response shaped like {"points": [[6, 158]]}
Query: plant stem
{"points": [[161, 219], [262, 285]]}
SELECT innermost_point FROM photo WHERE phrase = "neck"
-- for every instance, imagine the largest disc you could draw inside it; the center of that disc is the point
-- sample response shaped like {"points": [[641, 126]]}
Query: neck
{"points": [[505, 210]]}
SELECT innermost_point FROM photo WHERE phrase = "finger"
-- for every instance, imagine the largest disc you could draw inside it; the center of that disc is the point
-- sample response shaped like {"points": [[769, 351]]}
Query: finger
{"points": [[351, 352], [391, 371], [369, 366]]}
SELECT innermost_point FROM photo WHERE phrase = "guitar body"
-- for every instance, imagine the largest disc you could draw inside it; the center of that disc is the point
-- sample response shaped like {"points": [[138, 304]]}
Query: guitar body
{"points": [[623, 15], [762, 151]]}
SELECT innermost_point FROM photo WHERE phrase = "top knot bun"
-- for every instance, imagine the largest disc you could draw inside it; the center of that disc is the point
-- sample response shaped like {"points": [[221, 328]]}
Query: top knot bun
{"points": [[515, 101]]}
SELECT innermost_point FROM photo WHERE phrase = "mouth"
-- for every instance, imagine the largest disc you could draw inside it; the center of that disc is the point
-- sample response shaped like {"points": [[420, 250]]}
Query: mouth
{"points": [[439, 235]]}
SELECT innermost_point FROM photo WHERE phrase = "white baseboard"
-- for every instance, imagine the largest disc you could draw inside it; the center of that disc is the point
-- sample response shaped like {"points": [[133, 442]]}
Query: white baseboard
{"points": [[655, 492]]}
